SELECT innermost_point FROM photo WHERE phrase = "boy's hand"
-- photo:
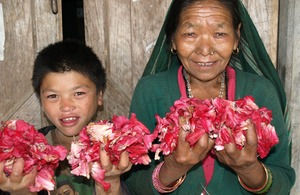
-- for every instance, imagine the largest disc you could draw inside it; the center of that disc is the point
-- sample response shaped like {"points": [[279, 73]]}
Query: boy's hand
{"points": [[113, 173], [16, 183]]}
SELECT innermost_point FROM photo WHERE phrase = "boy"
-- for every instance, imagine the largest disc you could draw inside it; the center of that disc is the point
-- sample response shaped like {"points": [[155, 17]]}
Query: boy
{"points": [[69, 80]]}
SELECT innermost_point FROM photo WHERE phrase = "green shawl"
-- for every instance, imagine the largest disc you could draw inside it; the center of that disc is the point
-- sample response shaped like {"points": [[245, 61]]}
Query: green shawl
{"points": [[252, 57]]}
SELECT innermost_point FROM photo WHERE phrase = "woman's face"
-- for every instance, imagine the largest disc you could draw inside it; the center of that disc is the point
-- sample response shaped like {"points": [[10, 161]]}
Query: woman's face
{"points": [[205, 39]]}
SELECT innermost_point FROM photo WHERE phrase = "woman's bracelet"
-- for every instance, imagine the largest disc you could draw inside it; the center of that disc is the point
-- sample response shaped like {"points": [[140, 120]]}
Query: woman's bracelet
{"points": [[159, 186], [267, 185]]}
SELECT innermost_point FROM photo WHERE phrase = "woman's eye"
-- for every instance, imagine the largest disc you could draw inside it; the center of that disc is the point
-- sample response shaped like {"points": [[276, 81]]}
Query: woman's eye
{"points": [[190, 34], [220, 34]]}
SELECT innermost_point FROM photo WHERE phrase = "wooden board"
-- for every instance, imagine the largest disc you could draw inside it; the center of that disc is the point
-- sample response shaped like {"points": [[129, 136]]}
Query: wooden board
{"points": [[264, 14], [29, 26]]}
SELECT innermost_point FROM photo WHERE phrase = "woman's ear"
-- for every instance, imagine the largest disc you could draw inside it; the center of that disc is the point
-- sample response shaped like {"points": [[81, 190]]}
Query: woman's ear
{"points": [[173, 45], [238, 36]]}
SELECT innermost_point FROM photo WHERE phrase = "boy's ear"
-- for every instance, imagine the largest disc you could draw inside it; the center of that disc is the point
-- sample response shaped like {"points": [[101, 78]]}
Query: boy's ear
{"points": [[100, 98]]}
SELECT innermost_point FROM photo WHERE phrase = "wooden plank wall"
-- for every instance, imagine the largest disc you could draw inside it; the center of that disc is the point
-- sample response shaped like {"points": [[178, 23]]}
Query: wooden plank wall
{"points": [[123, 35], [18, 54], [29, 26], [264, 14], [289, 69], [121, 32]]}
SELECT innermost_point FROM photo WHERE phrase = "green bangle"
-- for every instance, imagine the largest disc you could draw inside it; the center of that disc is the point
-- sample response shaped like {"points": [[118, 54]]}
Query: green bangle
{"points": [[265, 188], [269, 183]]}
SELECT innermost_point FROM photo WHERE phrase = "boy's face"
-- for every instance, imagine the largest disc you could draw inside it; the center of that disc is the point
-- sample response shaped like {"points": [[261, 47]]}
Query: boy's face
{"points": [[69, 100]]}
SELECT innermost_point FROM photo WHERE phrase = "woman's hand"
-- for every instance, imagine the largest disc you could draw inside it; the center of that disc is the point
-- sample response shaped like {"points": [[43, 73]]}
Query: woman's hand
{"points": [[16, 183], [113, 173], [244, 162], [184, 157]]}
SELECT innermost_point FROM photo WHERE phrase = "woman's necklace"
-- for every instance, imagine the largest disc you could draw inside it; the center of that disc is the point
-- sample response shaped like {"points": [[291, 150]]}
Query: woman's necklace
{"points": [[222, 90]]}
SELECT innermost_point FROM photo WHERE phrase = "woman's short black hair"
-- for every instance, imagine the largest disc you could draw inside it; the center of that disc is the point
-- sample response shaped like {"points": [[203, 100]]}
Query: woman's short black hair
{"points": [[178, 6], [64, 56]]}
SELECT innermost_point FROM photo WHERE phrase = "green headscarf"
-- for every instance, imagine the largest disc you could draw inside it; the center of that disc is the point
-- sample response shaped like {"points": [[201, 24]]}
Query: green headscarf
{"points": [[252, 57]]}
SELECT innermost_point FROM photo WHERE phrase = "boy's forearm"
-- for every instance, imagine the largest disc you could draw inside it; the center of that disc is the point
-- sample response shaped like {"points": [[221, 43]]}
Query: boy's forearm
{"points": [[22, 192], [115, 188]]}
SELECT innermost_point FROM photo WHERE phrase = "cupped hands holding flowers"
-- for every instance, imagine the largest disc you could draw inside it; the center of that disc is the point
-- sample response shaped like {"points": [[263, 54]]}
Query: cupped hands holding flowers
{"points": [[24, 149], [120, 136], [223, 120]]}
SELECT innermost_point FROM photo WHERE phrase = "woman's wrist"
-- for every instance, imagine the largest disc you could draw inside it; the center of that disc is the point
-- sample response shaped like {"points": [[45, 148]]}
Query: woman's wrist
{"points": [[265, 187], [159, 186]]}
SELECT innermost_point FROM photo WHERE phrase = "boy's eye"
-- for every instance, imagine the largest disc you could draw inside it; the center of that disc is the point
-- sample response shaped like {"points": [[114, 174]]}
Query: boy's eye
{"points": [[79, 93], [52, 96]]}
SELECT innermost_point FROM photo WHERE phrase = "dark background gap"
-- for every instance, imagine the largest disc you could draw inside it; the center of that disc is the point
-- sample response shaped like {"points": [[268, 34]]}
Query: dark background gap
{"points": [[73, 20]]}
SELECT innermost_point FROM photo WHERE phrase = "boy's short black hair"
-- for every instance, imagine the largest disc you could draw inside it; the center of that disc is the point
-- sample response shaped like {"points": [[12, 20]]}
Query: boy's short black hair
{"points": [[64, 56]]}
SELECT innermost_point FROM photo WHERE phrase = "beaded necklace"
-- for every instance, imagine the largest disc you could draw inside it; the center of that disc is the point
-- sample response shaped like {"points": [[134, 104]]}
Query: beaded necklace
{"points": [[222, 90]]}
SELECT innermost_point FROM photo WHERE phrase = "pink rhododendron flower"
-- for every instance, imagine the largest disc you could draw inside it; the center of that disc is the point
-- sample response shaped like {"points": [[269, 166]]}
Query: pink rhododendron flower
{"points": [[222, 120], [19, 139], [115, 136]]}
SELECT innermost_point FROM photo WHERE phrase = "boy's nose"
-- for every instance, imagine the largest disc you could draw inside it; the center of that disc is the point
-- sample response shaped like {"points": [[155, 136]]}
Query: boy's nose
{"points": [[67, 106]]}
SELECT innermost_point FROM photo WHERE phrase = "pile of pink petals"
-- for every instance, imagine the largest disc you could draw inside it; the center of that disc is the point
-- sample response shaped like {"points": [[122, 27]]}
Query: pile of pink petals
{"points": [[115, 136], [223, 120], [19, 139]]}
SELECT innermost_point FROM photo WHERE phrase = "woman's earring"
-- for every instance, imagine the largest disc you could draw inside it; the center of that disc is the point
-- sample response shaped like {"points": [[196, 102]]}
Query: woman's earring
{"points": [[236, 51], [173, 51]]}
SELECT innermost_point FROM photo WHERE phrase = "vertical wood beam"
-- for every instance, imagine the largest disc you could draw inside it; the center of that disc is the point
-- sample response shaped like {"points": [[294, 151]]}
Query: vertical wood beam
{"points": [[289, 70]]}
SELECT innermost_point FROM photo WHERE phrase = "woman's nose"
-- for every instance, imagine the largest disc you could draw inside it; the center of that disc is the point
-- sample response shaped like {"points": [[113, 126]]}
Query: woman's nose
{"points": [[204, 47]]}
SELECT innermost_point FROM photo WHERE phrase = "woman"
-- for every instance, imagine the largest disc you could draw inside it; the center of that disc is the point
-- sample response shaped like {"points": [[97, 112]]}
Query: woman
{"points": [[207, 47]]}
